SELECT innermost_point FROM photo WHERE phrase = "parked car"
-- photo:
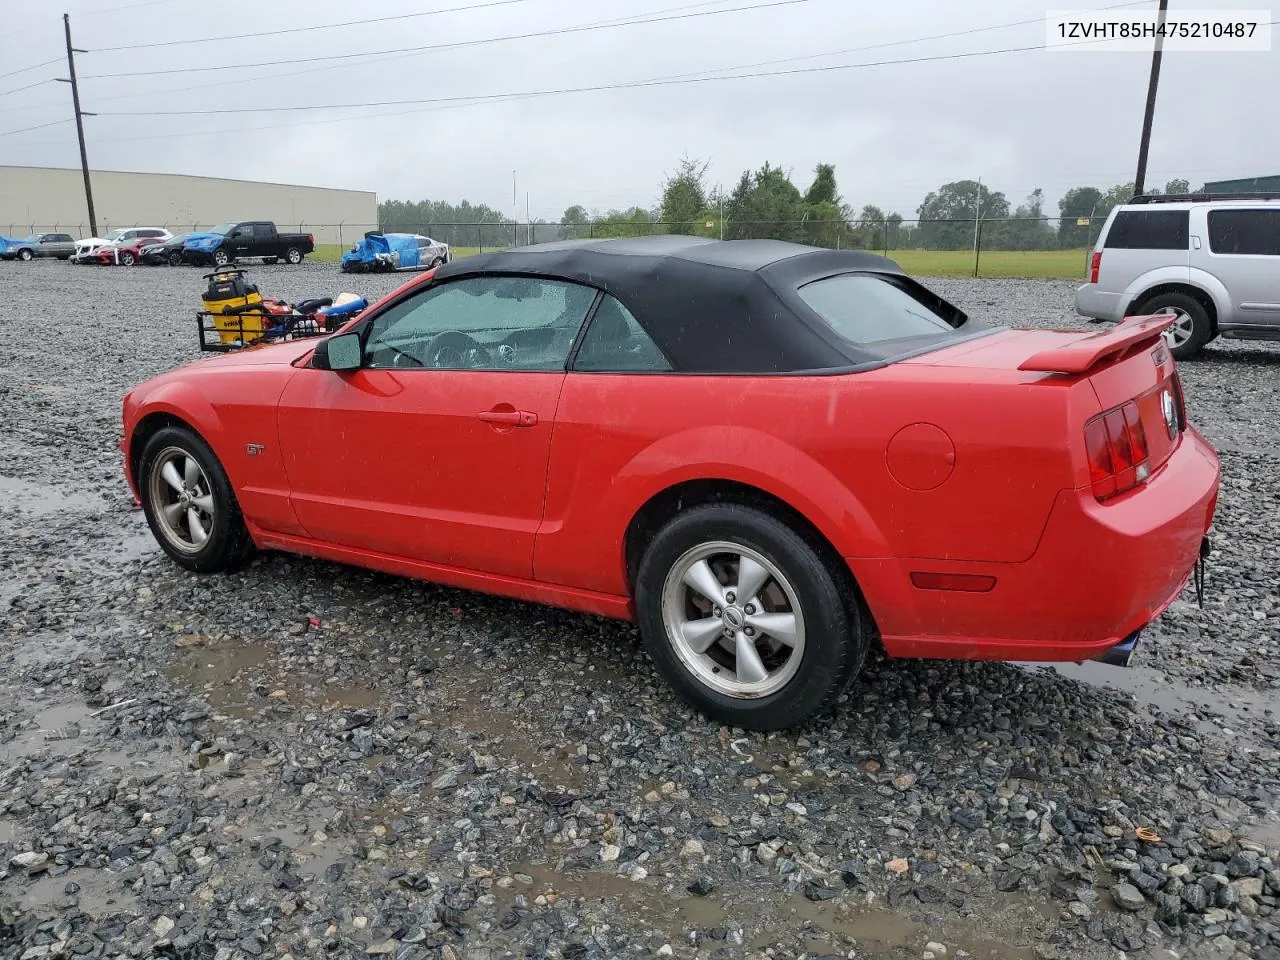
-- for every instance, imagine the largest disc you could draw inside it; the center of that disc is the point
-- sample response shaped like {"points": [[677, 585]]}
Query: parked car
{"points": [[86, 250], [60, 245], [1213, 262], [168, 251], [770, 456], [384, 252], [247, 240], [126, 253]]}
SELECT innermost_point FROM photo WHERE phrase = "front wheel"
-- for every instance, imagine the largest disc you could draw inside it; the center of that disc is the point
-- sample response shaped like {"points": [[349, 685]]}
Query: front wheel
{"points": [[25, 254], [745, 619], [189, 503], [1191, 329], [221, 258], [127, 259], [293, 255], [175, 259]]}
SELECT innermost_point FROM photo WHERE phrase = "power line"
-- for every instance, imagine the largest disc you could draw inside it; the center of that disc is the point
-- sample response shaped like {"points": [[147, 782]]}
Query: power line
{"points": [[457, 44], [38, 126], [34, 66], [38, 83], [624, 85], [319, 26], [329, 68]]}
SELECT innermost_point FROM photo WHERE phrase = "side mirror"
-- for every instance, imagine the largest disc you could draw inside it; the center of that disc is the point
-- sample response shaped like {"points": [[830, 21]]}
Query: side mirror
{"points": [[343, 352]]}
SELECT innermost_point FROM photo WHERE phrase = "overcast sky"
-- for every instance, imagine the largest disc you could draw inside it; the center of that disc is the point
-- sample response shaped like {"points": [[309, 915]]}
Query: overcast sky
{"points": [[894, 131]]}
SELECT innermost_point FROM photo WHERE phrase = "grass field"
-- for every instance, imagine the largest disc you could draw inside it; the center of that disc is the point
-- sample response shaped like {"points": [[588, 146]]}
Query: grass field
{"points": [[1048, 264]]}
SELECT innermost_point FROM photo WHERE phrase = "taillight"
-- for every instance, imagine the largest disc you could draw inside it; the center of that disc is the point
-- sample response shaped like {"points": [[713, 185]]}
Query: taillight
{"points": [[1180, 400], [311, 238], [1095, 264], [1116, 445]]}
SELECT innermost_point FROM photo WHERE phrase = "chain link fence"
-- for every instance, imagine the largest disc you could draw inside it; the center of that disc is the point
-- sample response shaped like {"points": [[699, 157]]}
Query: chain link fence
{"points": [[959, 239]]}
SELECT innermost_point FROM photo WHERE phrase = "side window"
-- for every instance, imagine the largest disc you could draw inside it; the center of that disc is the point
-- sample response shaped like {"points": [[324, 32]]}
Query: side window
{"points": [[615, 342], [1255, 232], [64, 238], [1149, 230], [482, 323], [262, 231]]}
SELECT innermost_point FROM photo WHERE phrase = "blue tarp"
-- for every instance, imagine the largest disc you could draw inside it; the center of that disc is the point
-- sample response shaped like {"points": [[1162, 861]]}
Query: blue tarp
{"points": [[5, 242], [202, 242], [373, 245]]}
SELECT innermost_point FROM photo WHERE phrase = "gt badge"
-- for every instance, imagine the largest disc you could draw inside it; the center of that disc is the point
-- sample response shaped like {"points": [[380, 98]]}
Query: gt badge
{"points": [[253, 449]]}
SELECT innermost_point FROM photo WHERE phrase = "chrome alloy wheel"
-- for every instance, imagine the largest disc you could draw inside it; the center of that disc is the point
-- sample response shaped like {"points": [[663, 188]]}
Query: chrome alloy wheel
{"points": [[733, 619], [182, 499], [1183, 326]]}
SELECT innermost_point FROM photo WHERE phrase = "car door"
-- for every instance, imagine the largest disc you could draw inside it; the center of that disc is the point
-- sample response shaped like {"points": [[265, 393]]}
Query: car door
{"points": [[239, 242], [1244, 254], [436, 449], [264, 241]]}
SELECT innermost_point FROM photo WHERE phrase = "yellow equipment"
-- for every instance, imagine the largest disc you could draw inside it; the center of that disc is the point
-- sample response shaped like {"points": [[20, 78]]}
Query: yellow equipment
{"points": [[235, 305]]}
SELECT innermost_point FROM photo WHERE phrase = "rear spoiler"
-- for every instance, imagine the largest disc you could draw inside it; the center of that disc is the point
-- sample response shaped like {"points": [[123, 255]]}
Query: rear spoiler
{"points": [[1083, 354]]}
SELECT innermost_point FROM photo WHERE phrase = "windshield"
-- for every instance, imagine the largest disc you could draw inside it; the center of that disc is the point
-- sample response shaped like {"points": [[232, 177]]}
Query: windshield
{"points": [[223, 228], [867, 309], [114, 235]]}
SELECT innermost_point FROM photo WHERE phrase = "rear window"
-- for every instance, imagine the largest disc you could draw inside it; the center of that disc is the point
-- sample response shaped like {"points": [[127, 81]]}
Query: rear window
{"points": [[1245, 232], [1149, 230], [867, 309]]}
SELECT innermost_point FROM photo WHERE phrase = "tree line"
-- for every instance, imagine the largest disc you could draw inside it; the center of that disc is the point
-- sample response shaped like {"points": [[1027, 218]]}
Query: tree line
{"points": [[766, 203]]}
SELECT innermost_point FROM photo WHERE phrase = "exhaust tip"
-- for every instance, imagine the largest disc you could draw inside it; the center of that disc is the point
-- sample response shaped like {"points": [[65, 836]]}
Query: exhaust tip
{"points": [[1122, 653]]}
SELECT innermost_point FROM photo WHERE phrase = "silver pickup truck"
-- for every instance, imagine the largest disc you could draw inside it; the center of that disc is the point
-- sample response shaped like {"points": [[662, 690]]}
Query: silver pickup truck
{"points": [[1212, 261]]}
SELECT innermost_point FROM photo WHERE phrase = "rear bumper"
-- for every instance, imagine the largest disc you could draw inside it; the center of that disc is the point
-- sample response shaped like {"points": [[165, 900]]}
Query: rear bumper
{"points": [[1092, 301], [1100, 573]]}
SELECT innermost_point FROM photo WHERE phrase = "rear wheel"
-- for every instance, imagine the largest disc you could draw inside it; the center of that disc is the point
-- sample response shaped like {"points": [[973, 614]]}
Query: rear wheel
{"points": [[189, 503], [745, 619], [293, 255], [1192, 328], [127, 259]]}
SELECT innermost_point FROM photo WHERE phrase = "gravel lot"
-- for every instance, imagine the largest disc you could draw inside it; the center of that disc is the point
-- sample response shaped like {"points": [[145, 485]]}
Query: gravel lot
{"points": [[309, 760]]}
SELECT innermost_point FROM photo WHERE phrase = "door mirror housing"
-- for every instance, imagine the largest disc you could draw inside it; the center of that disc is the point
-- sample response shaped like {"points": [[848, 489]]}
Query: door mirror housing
{"points": [[343, 352]]}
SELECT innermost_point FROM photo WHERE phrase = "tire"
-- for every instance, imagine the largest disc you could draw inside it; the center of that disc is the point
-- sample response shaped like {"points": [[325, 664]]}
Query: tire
{"points": [[1193, 328], [226, 544], [785, 683], [293, 255], [25, 255], [271, 261], [127, 259], [221, 258], [175, 259]]}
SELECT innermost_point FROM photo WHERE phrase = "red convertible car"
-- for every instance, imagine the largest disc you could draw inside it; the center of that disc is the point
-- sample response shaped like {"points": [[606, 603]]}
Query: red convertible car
{"points": [[771, 457]]}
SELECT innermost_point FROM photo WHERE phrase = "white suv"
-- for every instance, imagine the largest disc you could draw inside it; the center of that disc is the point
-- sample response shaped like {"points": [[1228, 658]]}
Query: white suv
{"points": [[86, 248], [1212, 261]]}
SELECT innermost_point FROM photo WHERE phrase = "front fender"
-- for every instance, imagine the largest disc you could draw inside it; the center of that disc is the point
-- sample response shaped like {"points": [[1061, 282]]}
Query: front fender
{"points": [[182, 401]]}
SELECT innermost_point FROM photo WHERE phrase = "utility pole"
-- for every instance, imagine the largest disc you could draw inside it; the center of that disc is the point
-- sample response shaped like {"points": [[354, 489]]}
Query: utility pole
{"points": [[528, 219], [75, 99], [515, 212], [1140, 179]]}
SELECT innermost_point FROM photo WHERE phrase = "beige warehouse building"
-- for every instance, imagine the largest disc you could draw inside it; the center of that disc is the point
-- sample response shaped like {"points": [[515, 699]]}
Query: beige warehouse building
{"points": [[51, 199]]}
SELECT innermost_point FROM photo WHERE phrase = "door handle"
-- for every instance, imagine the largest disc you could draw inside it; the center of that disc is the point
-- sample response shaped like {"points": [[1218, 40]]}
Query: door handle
{"points": [[510, 418]]}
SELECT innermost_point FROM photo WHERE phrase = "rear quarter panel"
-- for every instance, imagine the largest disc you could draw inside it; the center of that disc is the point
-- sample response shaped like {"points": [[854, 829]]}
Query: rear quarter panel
{"points": [[818, 443]]}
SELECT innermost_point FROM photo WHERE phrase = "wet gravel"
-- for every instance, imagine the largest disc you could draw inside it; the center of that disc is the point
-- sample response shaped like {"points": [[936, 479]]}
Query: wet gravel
{"points": [[309, 760]]}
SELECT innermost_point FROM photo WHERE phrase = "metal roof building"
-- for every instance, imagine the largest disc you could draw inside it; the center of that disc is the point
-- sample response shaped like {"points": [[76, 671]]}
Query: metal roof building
{"points": [[51, 199], [1247, 185]]}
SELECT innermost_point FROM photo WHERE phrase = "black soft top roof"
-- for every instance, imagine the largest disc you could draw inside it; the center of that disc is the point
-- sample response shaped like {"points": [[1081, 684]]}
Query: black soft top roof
{"points": [[711, 305]]}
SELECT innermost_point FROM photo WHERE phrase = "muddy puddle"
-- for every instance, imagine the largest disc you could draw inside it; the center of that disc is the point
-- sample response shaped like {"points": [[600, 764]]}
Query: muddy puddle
{"points": [[36, 499], [98, 893], [827, 926], [1150, 688]]}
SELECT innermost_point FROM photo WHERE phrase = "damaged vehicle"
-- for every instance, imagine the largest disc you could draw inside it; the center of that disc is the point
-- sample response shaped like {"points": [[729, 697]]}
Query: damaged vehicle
{"points": [[387, 252], [771, 457]]}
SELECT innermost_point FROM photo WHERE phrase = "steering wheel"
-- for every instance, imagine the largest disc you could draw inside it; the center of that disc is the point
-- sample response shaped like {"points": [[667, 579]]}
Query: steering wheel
{"points": [[455, 350]]}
